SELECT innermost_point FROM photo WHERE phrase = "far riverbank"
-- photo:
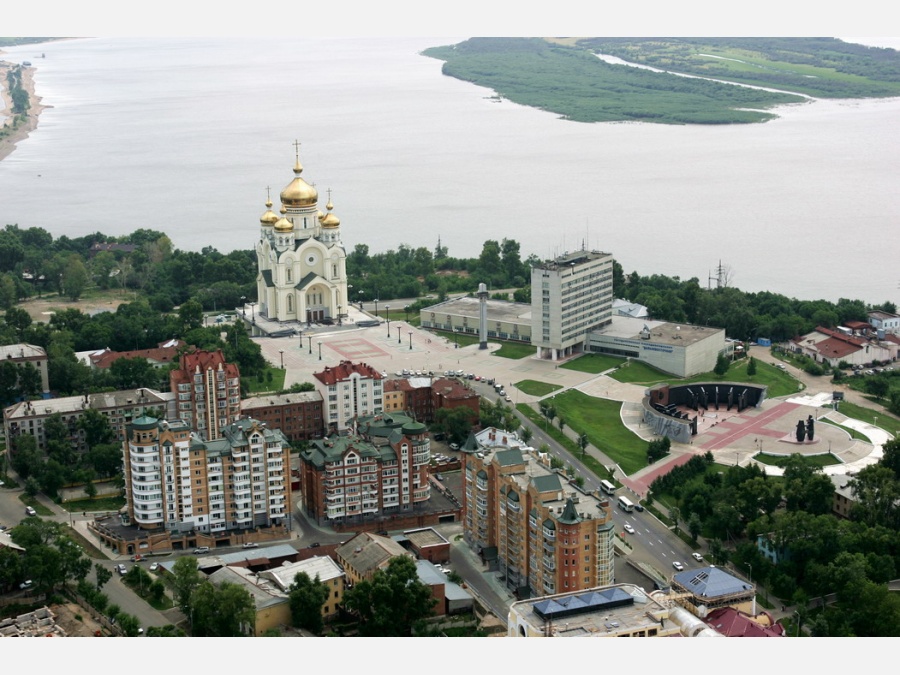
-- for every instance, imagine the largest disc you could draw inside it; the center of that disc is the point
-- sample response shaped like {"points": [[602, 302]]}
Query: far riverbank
{"points": [[8, 144]]}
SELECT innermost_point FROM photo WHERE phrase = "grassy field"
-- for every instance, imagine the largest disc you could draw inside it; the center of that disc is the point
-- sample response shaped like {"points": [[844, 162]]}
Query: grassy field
{"points": [[535, 388], [858, 435], [94, 505], [594, 363], [779, 383], [809, 460], [273, 380], [600, 420], [514, 350], [876, 417]]}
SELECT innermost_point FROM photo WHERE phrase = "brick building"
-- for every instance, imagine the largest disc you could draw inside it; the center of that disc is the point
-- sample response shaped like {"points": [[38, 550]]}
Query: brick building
{"points": [[349, 390], [540, 531], [23, 354], [422, 396], [298, 415], [208, 392]]}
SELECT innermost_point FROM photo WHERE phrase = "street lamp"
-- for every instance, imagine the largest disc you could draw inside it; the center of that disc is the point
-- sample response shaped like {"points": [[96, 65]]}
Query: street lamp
{"points": [[376, 308], [387, 315], [243, 306], [339, 315], [253, 312], [309, 337], [399, 341], [360, 299], [455, 341], [406, 309], [410, 339], [281, 351], [320, 350]]}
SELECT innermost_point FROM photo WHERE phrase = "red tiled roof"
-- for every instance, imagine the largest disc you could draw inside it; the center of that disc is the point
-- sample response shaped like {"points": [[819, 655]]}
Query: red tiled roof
{"points": [[833, 348], [344, 370], [858, 341], [732, 623], [160, 354], [202, 360]]}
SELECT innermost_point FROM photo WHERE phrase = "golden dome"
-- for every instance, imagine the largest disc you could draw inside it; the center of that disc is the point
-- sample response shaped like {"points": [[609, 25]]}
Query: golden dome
{"points": [[299, 192], [284, 225], [330, 220], [320, 215], [269, 217]]}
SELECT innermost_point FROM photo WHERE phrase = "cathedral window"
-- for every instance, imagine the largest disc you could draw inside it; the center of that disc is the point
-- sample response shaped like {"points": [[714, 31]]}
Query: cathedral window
{"points": [[289, 274], [334, 271], [290, 303]]}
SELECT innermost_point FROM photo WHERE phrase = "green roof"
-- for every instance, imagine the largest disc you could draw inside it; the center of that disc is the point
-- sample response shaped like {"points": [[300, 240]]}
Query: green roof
{"points": [[144, 422], [509, 457], [548, 483], [570, 514]]}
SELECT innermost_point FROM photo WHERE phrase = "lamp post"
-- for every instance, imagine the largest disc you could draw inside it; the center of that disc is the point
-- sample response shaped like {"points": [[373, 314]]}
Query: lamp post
{"points": [[455, 341], [387, 315], [399, 341], [309, 337], [410, 339], [320, 350], [253, 312], [406, 309], [339, 315], [376, 308], [359, 295], [243, 306], [281, 351]]}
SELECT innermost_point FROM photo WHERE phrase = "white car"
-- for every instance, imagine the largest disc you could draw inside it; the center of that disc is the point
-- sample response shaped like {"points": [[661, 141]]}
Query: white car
{"points": [[628, 528], [696, 556], [677, 565], [29, 511], [251, 544], [454, 446], [154, 567]]}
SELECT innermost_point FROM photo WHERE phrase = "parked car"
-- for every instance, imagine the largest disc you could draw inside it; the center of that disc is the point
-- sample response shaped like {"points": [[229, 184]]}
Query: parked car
{"points": [[251, 544], [137, 557], [696, 556], [29, 511], [677, 565], [121, 569], [201, 550], [454, 446], [439, 477], [25, 585], [154, 566], [315, 544]]}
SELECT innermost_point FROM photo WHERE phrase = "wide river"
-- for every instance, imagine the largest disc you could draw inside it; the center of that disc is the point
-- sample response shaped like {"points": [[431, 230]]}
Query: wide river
{"points": [[185, 136]]}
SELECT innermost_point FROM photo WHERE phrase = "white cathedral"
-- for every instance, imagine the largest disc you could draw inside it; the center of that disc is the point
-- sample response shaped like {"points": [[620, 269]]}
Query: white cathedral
{"points": [[301, 260]]}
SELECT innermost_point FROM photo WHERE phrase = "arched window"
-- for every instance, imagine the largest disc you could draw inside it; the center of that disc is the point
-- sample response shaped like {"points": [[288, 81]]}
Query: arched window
{"points": [[290, 303], [289, 275]]}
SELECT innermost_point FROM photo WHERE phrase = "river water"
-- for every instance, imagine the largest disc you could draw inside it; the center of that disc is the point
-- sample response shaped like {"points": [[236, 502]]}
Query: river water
{"points": [[185, 136]]}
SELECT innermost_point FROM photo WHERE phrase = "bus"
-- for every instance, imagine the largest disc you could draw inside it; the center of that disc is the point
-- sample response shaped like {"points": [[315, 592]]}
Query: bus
{"points": [[626, 505], [607, 487]]}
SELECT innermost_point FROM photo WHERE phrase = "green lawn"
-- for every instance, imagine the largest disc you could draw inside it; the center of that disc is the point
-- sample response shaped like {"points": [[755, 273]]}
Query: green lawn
{"points": [[600, 420], [272, 380], [535, 388], [858, 412], [594, 363], [810, 460], [858, 435], [778, 382], [513, 350], [95, 505]]}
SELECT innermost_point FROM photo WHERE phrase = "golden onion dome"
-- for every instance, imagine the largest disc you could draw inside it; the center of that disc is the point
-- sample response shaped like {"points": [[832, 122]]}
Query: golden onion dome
{"points": [[269, 217], [299, 192], [330, 220], [320, 216], [284, 225]]}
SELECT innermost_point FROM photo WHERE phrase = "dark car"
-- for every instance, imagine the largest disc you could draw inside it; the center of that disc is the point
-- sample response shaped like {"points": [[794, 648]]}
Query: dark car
{"points": [[638, 507]]}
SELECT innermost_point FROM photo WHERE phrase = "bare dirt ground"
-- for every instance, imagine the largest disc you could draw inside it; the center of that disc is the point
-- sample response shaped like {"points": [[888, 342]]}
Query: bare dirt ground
{"points": [[65, 619], [41, 309]]}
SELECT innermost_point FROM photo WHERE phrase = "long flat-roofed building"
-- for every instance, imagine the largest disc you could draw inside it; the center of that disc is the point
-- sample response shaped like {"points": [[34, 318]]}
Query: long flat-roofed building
{"points": [[505, 320], [571, 296], [680, 349], [298, 415], [540, 531], [621, 610]]}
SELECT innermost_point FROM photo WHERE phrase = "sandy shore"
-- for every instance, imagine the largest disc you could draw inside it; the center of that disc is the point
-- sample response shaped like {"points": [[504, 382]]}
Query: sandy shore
{"points": [[8, 144]]}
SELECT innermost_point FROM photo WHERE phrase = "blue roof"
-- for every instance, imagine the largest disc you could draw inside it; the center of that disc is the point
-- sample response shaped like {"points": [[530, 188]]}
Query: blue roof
{"points": [[711, 582]]}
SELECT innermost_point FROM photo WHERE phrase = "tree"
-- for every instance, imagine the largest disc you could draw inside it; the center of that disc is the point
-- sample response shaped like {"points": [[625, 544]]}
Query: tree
{"points": [[75, 278], [526, 434], [129, 625], [562, 424], [186, 575], [393, 602], [674, 515], [226, 610], [751, 367], [95, 426], [721, 366], [583, 442], [103, 575], [694, 526], [307, 597]]}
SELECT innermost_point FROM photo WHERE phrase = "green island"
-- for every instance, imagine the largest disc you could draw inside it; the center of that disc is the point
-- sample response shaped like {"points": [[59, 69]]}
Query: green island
{"points": [[566, 76]]}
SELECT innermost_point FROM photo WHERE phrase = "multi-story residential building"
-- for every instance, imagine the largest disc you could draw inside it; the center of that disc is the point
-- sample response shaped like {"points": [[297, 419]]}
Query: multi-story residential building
{"points": [[23, 354], [422, 396], [208, 392], [298, 415], [571, 296], [176, 482], [381, 472], [415, 394], [119, 407], [542, 533], [349, 391]]}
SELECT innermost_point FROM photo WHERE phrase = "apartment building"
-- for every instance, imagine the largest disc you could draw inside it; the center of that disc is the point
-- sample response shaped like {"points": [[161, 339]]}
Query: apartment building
{"points": [[208, 392], [119, 407], [571, 296], [23, 354], [349, 391], [541, 532], [298, 415], [177, 482], [378, 472]]}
